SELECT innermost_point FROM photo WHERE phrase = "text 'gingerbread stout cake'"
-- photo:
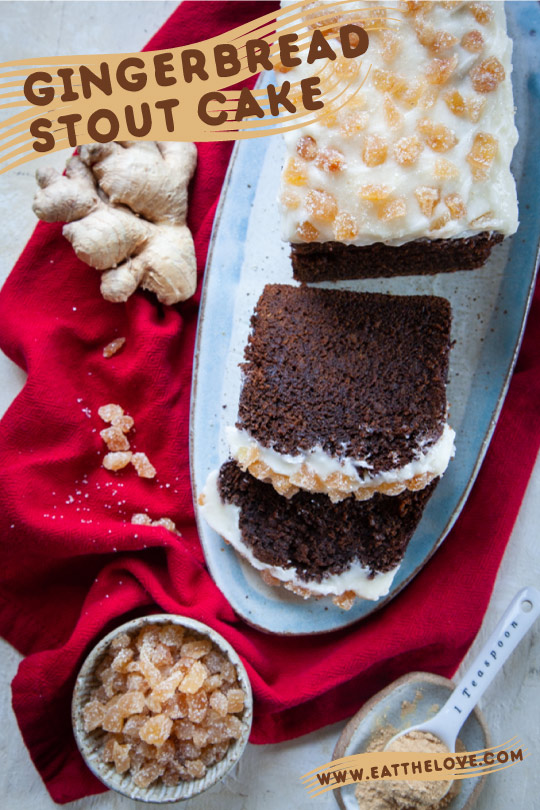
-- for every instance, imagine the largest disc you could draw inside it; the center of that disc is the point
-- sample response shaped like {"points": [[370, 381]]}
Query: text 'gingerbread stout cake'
{"points": [[408, 172], [306, 543], [344, 393]]}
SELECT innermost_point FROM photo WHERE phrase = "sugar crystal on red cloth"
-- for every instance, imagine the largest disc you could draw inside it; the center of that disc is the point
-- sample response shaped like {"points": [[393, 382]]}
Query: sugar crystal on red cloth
{"points": [[73, 564]]}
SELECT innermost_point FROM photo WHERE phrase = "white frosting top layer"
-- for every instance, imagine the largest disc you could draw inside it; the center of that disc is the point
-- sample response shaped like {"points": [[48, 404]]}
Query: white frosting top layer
{"points": [[433, 459], [489, 204], [224, 519]]}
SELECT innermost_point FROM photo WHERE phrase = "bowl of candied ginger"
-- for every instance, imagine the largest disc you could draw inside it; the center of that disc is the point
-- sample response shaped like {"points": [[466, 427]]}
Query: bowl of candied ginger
{"points": [[162, 708]]}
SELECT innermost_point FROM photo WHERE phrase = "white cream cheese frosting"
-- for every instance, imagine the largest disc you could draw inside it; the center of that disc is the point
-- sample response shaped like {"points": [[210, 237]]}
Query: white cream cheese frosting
{"points": [[461, 204], [224, 519], [429, 462]]}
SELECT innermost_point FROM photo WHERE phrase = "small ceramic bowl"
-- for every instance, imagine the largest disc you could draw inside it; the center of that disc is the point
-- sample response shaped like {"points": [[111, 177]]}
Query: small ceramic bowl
{"points": [[89, 744], [409, 700]]}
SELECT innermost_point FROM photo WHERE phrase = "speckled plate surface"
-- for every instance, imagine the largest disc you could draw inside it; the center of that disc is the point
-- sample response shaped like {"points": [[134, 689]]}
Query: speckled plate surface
{"points": [[489, 308], [409, 700], [90, 744]]}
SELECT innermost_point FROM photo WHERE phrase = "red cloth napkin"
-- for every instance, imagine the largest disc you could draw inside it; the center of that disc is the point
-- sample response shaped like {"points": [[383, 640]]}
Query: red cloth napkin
{"points": [[74, 567]]}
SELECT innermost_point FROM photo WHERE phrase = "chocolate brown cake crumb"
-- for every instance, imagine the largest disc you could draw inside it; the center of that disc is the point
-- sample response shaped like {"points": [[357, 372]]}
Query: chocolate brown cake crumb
{"points": [[334, 261], [361, 375], [315, 536]]}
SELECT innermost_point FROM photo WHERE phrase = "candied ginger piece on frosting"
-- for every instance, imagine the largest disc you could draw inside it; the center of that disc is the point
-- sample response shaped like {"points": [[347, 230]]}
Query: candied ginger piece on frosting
{"points": [[487, 75]]}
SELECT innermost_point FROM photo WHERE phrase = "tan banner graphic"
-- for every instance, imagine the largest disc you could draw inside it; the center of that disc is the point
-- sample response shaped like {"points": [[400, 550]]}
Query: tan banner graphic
{"points": [[181, 94], [419, 766]]}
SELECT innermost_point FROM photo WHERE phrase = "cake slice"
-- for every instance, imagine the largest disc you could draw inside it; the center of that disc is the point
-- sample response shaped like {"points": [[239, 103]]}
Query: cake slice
{"points": [[412, 174], [309, 545], [344, 393]]}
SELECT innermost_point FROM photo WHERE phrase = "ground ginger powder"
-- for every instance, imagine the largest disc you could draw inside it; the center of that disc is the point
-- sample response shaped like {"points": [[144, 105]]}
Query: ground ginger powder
{"points": [[405, 794]]}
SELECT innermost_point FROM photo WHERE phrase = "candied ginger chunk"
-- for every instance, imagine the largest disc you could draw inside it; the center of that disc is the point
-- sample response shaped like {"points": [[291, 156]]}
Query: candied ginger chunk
{"points": [[345, 227], [110, 412], [93, 714], [487, 75], [194, 679], [196, 649], [407, 150], [440, 221], [156, 730], [219, 703], [387, 82], [113, 347], [437, 136], [482, 12], [141, 519], [120, 757], [445, 170], [374, 192], [132, 726], [439, 70], [200, 737], [183, 729], [455, 102], [123, 423], [472, 41], [116, 461], [442, 41], [295, 172], [114, 438], [235, 700], [172, 635], [141, 462], [352, 122], [307, 232], [197, 706], [176, 707], [456, 206], [228, 671], [392, 115], [390, 45], [427, 198], [289, 199], [195, 768], [393, 209], [475, 108], [214, 661], [321, 205], [375, 150], [306, 147], [122, 659], [148, 774], [167, 523], [482, 155], [330, 160], [345, 67], [163, 691], [235, 727]]}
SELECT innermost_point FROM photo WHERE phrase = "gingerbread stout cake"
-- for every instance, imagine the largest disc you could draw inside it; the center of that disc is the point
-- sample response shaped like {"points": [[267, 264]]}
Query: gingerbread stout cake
{"points": [[412, 175], [306, 543], [344, 393]]}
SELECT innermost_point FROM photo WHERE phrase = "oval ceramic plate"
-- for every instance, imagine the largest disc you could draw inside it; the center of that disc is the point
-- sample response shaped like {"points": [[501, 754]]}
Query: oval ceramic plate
{"points": [[406, 702], [489, 306]]}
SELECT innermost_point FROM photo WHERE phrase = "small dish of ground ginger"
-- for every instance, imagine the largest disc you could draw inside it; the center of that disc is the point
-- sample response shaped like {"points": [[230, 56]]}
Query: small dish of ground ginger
{"points": [[162, 708], [410, 700]]}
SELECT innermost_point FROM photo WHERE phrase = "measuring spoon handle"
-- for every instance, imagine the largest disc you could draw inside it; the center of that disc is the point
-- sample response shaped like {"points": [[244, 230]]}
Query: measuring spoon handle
{"points": [[519, 617]]}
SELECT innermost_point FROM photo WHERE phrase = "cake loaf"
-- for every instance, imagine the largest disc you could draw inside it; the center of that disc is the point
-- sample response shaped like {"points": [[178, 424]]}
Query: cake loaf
{"points": [[308, 545], [344, 393], [411, 175]]}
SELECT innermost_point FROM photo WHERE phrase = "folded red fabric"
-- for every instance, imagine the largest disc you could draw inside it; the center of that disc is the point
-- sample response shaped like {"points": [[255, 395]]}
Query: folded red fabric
{"points": [[74, 567]]}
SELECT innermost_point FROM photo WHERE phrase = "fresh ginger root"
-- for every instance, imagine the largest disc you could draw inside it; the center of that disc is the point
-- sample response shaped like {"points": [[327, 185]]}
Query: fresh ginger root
{"points": [[126, 205]]}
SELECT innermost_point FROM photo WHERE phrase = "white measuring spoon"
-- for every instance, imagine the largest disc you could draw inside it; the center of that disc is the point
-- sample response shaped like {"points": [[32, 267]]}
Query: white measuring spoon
{"points": [[518, 618]]}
